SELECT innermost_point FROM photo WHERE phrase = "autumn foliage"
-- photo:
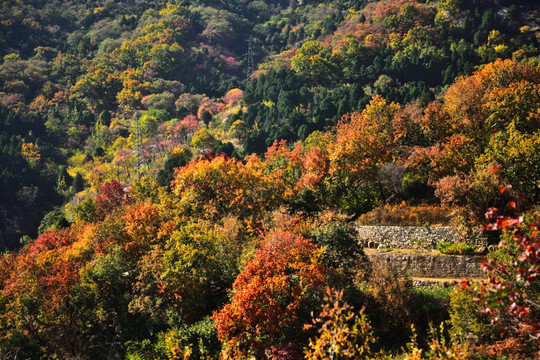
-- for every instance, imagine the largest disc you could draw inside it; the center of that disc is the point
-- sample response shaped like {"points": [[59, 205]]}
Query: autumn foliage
{"points": [[109, 196], [271, 295], [182, 180], [510, 297]]}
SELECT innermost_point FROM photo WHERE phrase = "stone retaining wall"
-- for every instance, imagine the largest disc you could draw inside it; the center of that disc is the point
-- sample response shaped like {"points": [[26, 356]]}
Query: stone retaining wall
{"points": [[433, 265], [413, 237]]}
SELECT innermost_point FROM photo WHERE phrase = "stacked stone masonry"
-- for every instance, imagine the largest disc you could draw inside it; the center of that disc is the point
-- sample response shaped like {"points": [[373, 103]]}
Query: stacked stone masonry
{"points": [[433, 266], [422, 263], [413, 237]]}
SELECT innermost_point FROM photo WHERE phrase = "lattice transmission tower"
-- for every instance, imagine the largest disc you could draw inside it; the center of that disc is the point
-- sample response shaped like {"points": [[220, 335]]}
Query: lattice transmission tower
{"points": [[250, 64]]}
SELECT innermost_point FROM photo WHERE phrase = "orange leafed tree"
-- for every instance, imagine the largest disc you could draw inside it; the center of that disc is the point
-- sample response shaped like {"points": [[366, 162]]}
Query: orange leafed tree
{"points": [[284, 165], [143, 226], [270, 295], [489, 93], [364, 140], [220, 186]]}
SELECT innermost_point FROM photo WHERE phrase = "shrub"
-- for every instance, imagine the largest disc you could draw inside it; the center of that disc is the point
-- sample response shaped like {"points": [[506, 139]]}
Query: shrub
{"points": [[407, 215], [198, 341], [439, 347], [432, 304], [466, 318], [342, 334], [518, 347], [342, 249], [512, 292], [450, 248], [391, 306]]}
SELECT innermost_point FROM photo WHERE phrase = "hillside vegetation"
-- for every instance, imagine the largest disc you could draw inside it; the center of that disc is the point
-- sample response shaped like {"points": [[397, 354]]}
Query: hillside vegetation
{"points": [[179, 179]]}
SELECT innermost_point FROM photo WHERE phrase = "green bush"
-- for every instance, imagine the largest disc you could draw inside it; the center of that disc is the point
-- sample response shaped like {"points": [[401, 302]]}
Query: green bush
{"points": [[432, 304], [197, 341], [450, 248], [194, 342], [467, 319], [339, 240]]}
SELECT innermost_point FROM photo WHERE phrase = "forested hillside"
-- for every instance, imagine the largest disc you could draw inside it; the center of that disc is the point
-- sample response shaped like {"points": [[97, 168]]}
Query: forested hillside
{"points": [[180, 179]]}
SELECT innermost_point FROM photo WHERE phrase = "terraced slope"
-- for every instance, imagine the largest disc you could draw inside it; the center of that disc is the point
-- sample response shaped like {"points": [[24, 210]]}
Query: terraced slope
{"points": [[412, 250]]}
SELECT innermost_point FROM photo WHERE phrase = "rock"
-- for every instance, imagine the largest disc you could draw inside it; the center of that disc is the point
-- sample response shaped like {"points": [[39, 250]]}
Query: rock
{"points": [[481, 250]]}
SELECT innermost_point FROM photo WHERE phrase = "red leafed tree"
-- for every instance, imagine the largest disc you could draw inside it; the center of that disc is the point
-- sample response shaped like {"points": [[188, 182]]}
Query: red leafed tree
{"points": [[232, 96], [270, 296], [512, 293], [109, 196], [49, 240]]}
